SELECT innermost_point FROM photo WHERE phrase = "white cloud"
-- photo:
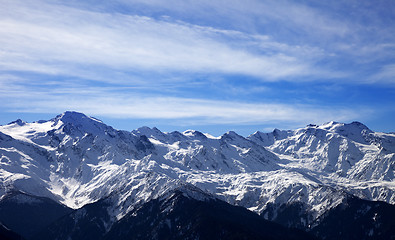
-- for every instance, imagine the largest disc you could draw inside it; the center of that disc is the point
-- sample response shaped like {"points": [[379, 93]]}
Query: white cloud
{"points": [[385, 74], [250, 15], [109, 102], [83, 41], [71, 45], [60, 40]]}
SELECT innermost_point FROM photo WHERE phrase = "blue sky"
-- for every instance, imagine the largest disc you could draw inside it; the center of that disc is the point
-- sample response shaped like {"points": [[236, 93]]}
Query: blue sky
{"points": [[214, 66]]}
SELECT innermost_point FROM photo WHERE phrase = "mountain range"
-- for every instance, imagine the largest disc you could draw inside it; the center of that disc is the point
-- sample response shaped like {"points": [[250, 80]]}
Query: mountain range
{"points": [[74, 177]]}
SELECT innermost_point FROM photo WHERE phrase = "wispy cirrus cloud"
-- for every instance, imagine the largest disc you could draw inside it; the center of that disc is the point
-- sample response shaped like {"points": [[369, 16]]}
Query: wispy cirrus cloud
{"points": [[61, 40], [82, 41], [231, 62], [181, 111], [386, 74], [249, 15], [132, 104]]}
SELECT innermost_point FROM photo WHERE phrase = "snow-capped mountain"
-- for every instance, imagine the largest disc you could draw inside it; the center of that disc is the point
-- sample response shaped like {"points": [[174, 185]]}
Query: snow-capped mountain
{"points": [[77, 160]]}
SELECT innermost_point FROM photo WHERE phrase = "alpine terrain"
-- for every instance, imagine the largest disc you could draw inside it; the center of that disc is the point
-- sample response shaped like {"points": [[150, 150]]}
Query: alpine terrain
{"points": [[74, 177]]}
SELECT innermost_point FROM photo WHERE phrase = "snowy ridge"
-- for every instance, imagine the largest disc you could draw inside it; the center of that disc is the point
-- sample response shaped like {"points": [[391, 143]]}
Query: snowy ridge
{"points": [[75, 160]]}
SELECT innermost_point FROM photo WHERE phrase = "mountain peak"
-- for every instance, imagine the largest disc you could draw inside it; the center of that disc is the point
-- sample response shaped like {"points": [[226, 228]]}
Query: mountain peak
{"points": [[79, 121], [355, 131], [150, 133], [358, 124], [330, 125], [75, 117], [231, 135], [18, 122], [286, 174], [194, 133], [341, 127]]}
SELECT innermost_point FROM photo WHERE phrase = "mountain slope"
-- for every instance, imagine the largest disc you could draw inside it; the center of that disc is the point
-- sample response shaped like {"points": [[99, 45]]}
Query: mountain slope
{"points": [[27, 214], [7, 234], [358, 219], [182, 213], [77, 160], [180, 216]]}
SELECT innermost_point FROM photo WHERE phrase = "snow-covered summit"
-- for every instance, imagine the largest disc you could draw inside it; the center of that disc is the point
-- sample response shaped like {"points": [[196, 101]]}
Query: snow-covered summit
{"points": [[18, 122], [194, 133], [76, 118], [76, 159], [355, 130], [74, 121]]}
